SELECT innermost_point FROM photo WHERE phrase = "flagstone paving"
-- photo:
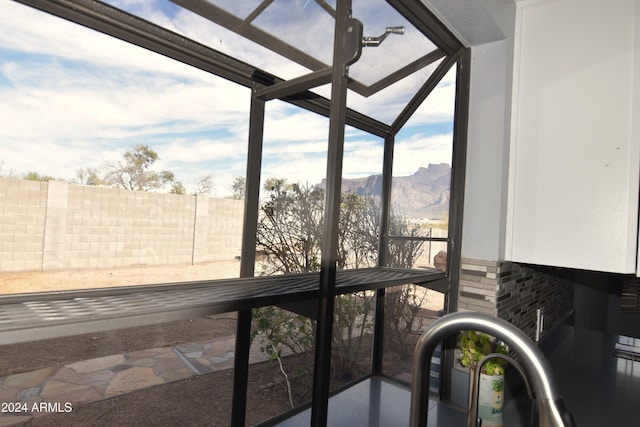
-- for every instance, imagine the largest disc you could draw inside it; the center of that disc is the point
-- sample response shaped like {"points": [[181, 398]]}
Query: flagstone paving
{"points": [[60, 388]]}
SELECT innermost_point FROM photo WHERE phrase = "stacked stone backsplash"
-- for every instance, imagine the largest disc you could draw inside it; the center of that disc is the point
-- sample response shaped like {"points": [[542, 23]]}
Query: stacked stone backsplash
{"points": [[514, 292]]}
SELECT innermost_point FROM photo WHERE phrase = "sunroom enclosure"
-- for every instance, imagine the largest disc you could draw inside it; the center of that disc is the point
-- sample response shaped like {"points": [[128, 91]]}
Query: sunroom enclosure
{"points": [[436, 52]]}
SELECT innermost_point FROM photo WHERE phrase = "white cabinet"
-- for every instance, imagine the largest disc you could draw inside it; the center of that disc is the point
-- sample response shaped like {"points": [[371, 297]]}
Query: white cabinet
{"points": [[574, 153]]}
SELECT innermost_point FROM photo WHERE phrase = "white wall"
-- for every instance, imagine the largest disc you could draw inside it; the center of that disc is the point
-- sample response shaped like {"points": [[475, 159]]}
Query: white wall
{"points": [[483, 232], [554, 101], [487, 26], [574, 164]]}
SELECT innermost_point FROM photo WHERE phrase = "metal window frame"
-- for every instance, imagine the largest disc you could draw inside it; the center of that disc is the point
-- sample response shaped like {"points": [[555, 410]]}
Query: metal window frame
{"points": [[245, 28], [112, 21]]}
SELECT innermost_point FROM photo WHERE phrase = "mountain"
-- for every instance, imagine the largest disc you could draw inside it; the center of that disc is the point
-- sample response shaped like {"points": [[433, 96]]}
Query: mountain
{"points": [[425, 194]]}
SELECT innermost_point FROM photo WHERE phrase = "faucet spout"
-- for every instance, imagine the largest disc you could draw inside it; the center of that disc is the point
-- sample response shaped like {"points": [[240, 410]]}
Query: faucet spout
{"points": [[551, 409]]}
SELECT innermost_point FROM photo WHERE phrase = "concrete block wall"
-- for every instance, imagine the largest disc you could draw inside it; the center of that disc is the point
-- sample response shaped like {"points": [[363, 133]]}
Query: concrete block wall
{"points": [[23, 207], [116, 228], [81, 227], [219, 229], [226, 227], [514, 292]]}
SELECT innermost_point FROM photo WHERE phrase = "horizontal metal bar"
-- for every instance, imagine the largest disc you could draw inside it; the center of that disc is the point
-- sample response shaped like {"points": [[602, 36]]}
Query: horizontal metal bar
{"points": [[29, 317], [419, 238], [296, 85]]}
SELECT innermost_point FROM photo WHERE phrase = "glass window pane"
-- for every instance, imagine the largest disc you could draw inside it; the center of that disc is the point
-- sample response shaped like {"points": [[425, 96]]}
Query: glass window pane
{"points": [[358, 239], [115, 159], [395, 51], [421, 185], [291, 39], [352, 337], [409, 311], [303, 25], [291, 212], [282, 353], [100, 377]]}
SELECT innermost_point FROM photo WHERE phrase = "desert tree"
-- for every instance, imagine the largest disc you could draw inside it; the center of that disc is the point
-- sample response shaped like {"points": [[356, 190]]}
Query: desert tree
{"points": [[88, 176], [405, 251], [290, 227], [177, 188], [238, 188], [35, 176], [204, 185], [358, 231], [134, 171], [289, 237]]}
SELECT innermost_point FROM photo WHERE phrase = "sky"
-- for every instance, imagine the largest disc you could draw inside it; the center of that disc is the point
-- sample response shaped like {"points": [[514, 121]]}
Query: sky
{"points": [[73, 98]]}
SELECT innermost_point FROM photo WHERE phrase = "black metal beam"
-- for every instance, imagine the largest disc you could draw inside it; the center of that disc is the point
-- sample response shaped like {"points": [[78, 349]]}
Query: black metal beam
{"points": [[248, 257], [423, 93], [117, 23], [244, 28], [426, 22], [456, 207], [252, 185], [326, 302], [377, 356], [459, 166], [377, 351], [419, 238], [295, 86], [405, 71], [318, 104], [385, 199], [257, 11]]}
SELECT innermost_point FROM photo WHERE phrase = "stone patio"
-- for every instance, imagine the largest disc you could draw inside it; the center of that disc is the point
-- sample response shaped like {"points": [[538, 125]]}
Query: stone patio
{"points": [[61, 388]]}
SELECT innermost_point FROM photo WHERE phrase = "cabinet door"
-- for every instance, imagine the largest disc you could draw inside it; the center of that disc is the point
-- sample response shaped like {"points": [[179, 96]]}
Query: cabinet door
{"points": [[573, 197]]}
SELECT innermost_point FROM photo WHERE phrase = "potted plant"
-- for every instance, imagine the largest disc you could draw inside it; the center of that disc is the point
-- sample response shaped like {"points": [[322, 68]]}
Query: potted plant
{"points": [[474, 348]]}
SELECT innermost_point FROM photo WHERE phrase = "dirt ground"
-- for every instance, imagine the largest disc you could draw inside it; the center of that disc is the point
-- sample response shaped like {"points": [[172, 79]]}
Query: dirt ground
{"points": [[197, 401], [14, 283]]}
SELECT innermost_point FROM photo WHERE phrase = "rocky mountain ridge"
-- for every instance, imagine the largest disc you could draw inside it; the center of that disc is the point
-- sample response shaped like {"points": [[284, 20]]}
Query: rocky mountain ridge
{"points": [[424, 194]]}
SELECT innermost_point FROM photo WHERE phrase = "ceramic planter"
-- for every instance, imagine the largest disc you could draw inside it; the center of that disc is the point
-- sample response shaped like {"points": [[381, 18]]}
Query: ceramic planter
{"points": [[490, 400]]}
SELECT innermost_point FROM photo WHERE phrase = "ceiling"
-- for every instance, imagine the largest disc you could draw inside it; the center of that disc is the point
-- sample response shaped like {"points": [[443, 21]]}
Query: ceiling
{"points": [[473, 21]]}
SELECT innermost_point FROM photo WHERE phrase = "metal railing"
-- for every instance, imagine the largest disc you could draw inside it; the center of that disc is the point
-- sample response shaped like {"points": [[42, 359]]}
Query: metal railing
{"points": [[551, 408]]}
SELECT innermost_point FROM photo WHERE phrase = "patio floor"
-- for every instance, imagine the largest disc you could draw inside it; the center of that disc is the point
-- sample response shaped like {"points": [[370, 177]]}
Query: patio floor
{"points": [[91, 380]]}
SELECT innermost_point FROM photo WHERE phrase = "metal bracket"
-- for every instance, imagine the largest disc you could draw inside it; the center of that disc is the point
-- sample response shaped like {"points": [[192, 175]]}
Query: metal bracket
{"points": [[353, 41], [376, 41]]}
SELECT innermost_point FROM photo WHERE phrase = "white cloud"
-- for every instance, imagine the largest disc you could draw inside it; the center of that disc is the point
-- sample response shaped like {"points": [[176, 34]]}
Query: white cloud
{"points": [[28, 30], [420, 150], [227, 42], [362, 157], [73, 98], [80, 92]]}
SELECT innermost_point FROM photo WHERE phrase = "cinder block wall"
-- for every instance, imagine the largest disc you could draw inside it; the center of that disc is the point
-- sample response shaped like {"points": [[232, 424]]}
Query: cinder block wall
{"points": [[59, 226], [23, 207], [514, 292]]}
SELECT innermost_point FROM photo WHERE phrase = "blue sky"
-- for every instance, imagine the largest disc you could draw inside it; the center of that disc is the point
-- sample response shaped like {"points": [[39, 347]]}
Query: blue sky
{"points": [[74, 98]]}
